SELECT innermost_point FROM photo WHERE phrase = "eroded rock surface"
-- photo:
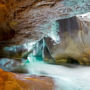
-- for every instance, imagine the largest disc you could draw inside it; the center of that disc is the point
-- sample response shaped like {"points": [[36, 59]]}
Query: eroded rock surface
{"points": [[73, 36], [23, 20], [29, 21], [12, 81]]}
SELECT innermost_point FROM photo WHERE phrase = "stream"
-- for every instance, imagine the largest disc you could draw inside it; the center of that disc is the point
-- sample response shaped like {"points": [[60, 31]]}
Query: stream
{"points": [[65, 78]]}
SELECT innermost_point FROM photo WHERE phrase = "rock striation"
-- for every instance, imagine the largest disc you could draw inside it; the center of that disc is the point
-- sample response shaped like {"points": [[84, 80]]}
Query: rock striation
{"points": [[24, 20]]}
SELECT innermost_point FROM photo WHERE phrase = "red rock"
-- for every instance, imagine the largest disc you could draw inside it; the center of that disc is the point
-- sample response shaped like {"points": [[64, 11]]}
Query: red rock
{"points": [[12, 81]]}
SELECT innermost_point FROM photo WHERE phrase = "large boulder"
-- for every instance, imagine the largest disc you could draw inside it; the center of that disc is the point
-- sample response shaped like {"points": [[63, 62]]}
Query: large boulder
{"points": [[74, 41]]}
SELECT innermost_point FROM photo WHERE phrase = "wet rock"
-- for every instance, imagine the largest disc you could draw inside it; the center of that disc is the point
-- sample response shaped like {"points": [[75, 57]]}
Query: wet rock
{"points": [[74, 43], [13, 81], [8, 64], [74, 34], [25, 21]]}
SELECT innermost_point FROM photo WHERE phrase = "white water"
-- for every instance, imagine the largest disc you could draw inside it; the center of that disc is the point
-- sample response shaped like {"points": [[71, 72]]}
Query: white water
{"points": [[65, 78]]}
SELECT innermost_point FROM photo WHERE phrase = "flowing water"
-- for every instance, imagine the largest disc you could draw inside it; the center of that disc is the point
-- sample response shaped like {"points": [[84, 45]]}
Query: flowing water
{"points": [[65, 78]]}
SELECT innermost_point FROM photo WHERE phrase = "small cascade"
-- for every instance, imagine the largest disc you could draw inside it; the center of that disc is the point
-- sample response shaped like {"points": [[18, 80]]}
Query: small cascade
{"points": [[39, 53]]}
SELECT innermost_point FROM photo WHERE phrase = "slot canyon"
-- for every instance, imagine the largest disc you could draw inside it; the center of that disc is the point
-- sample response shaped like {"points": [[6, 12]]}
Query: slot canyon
{"points": [[44, 44]]}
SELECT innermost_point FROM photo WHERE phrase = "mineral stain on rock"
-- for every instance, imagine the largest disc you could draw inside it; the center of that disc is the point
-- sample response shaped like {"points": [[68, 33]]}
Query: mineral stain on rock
{"points": [[12, 81]]}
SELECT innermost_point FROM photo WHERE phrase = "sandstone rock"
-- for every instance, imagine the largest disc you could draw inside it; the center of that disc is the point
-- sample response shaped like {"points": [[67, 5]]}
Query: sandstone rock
{"points": [[74, 34], [23, 19], [12, 81], [26, 21]]}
